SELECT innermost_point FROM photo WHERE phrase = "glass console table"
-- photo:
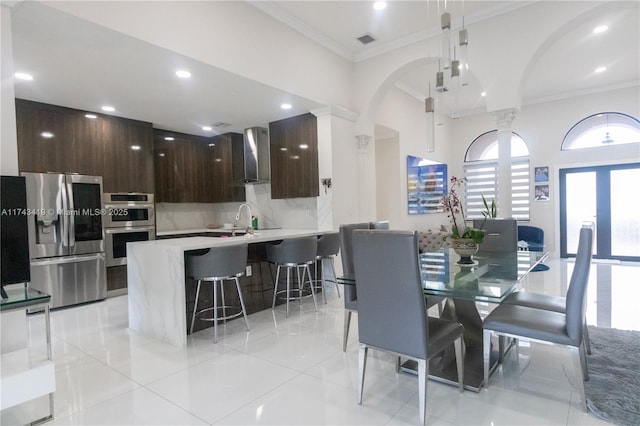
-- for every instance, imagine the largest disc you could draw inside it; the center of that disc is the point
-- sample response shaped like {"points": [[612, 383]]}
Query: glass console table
{"points": [[23, 378], [491, 278]]}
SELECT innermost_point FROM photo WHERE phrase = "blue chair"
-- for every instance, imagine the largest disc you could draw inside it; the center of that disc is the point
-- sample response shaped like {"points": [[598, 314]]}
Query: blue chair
{"points": [[534, 237]]}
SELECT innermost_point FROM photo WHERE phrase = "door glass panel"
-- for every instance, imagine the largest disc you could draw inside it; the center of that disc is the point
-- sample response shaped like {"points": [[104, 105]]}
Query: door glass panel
{"points": [[624, 297], [581, 206], [130, 214], [87, 214], [120, 241], [625, 226]]}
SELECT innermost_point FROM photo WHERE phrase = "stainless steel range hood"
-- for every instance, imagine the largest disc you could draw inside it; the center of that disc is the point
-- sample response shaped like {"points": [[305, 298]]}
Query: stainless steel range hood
{"points": [[256, 155]]}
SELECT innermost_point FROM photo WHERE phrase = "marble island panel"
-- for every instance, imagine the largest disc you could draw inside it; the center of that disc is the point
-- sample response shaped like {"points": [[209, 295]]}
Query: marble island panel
{"points": [[156, 277]]}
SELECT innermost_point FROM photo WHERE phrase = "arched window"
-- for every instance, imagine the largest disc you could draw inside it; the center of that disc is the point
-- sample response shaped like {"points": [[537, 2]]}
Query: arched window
{"points": [[603, 129], [481, 172]]}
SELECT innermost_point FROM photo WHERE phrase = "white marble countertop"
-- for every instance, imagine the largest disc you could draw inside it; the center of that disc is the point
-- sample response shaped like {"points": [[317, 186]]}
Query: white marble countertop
{"points": [[195, 243]]}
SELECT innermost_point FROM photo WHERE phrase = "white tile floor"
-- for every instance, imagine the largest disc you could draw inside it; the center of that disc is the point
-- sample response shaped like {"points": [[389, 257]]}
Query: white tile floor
{"points": [[293, 371]]}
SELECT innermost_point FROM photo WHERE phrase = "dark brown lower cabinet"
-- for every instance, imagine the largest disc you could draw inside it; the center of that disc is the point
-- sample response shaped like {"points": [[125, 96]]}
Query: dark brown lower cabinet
{"points": [[257, 289], [116, 277]]}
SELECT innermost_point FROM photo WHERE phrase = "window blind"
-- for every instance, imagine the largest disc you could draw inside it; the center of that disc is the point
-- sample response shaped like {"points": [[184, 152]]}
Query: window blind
{"points": [[482, 179]]}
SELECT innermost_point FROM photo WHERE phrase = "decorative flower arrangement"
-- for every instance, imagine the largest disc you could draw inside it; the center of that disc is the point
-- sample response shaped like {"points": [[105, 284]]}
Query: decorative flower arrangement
{"points": [[455, 211]]}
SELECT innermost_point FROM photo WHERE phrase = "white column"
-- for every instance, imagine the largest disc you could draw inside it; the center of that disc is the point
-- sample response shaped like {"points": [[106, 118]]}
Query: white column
{"points": [[366, 179], [8, 136], [504, 119], [335, 130]]}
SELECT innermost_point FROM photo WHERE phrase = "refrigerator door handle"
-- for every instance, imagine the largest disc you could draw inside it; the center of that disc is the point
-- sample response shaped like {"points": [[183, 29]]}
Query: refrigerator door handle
{"points": [[64, 216], [71, 216], [67, 259]]}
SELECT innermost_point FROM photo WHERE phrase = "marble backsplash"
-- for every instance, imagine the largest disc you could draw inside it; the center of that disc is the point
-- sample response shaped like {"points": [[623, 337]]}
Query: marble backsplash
{"points": [[297, 213]]}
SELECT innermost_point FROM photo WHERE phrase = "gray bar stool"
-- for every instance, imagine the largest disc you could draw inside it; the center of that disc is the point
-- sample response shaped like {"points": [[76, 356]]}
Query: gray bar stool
{"points": [[215, 266], [296, 253], [328, 248]]}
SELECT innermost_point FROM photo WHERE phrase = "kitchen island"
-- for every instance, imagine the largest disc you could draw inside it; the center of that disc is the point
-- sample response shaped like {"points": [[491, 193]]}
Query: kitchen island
{"points": [[156, 277]]}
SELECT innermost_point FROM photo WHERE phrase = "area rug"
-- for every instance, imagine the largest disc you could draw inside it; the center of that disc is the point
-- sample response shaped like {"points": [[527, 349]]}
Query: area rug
{"points": [[613, 388]]}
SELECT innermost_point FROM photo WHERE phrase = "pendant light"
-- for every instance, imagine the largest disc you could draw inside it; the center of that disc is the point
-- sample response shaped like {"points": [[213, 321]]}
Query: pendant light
{"points": [[463, 54], [430, 110], [445, 24]]}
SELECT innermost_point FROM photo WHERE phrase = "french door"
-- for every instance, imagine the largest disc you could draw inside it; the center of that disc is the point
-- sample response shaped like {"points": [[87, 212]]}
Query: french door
{"points": [[609, 196]]}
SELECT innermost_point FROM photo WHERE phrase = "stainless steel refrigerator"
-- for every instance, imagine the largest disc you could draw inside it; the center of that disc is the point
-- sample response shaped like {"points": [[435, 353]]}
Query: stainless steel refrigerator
{"points": [[66, 237]]}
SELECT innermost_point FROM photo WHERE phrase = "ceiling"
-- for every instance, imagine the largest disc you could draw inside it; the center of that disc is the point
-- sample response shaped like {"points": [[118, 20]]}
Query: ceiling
{"points": [[82, 65]]}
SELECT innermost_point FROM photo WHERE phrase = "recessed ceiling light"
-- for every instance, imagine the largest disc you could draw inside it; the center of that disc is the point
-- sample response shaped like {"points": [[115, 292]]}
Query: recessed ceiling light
{"points": [[23, 76], [379, 5], [483, 94], [108, 108], [91, 116], [161, 154], [135, 147], [218, 160], [283, 149], [212, 144], [285, 106], [207, 128], [169, 138], [183, 74], [303, 146], [295, 157], [46, 135], [601, 69], [600, 29]]}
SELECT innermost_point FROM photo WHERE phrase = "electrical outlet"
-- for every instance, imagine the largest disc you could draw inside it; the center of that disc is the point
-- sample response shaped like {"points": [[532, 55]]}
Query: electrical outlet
{"points": [[248, 271]]}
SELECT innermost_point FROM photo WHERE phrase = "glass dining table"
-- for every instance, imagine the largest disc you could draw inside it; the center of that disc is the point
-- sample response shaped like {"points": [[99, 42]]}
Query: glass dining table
{"points": [[468, 292]]}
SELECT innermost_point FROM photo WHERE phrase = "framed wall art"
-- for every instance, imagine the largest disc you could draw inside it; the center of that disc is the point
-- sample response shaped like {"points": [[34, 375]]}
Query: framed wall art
{"points": [[541, 193], [541, 174], [426, 184]]}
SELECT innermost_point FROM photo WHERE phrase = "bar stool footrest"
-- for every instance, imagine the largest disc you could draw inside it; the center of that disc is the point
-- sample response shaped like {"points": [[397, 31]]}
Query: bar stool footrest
{"points": [[305, 293], [220, 317]]}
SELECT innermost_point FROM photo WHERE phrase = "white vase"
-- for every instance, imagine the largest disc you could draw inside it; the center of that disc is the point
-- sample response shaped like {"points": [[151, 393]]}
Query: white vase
{"points": [[465, 248]]}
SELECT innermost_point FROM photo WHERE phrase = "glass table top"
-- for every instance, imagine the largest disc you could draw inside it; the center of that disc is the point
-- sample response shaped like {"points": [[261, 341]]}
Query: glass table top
{"points": [[21, 296], [491, 278]]}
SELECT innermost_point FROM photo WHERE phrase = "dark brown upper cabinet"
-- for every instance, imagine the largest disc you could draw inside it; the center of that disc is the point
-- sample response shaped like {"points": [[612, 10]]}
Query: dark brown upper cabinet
{"points": [[120, 150], [196, 169], [294, 157]]}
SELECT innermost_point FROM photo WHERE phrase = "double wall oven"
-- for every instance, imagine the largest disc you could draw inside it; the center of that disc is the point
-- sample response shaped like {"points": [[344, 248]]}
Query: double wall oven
{"points": [[130, 217]]}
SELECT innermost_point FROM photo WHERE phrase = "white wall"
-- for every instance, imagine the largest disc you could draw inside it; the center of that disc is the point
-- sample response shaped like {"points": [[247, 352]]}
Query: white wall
{"points": [[405, 115], [543, 127], [8, 137]]}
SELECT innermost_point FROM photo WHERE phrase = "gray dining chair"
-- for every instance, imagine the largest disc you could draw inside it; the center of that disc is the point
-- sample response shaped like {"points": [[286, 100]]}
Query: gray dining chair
{"points": [[381, 224], [547, 302], [350, 294], [500, 235], [544, 326], [392, 314]]}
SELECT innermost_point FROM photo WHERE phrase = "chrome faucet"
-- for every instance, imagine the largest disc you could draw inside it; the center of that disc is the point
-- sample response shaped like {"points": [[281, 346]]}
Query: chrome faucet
{"points": [[249, 228]]}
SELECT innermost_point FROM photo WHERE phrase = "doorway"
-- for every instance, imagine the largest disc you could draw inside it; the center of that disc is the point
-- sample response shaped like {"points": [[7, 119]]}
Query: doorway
{"points": [[607, 196]]}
